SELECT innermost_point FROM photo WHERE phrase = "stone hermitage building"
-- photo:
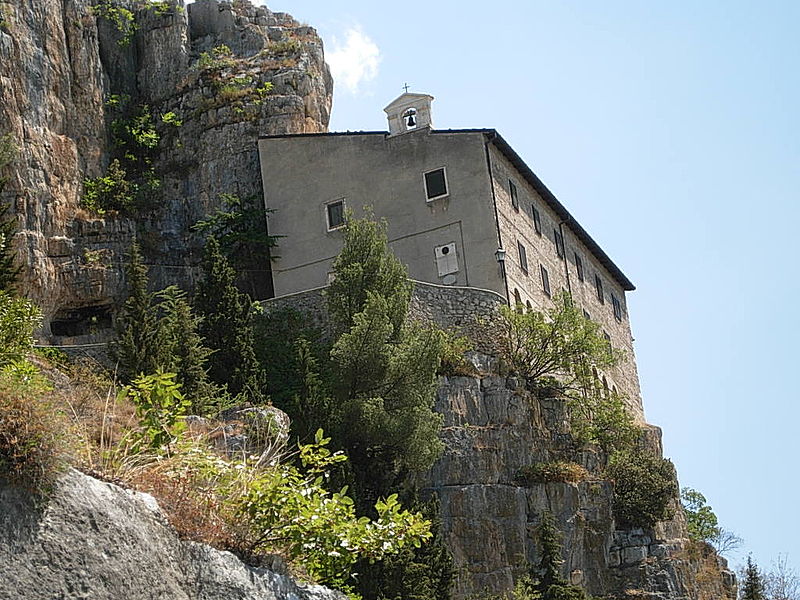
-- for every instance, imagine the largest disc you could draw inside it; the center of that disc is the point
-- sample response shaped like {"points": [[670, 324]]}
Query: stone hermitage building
{"points": [[462, 208]]}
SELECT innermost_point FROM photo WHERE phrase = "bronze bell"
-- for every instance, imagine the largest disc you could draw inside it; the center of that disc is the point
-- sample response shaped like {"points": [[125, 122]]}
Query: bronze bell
{"points": [[410, 121]]}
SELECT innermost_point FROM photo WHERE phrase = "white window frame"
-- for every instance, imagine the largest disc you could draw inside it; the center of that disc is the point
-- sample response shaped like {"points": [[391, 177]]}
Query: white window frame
{"points": [[443, 169], [328, 214]]}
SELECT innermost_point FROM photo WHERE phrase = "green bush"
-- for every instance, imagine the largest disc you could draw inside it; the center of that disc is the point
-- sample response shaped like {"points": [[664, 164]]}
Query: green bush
{"points": [[160, 407], [554, 471], [602, 418], [18, 319], [645, 488]]}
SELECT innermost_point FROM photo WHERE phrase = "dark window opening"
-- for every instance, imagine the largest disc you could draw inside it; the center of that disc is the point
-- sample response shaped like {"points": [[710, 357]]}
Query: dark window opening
{"points": [[517, 301], [598, 285], [537, 219], [335, 214], [579, 266], [435, 184], [88, 320], [523, 257], [617, 307], [559, 241], [410, 118], [512, 190], [545, 280]]}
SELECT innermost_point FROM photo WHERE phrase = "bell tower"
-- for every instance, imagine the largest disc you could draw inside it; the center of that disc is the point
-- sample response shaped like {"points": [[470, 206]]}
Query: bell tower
{"points": [[409, 112]]}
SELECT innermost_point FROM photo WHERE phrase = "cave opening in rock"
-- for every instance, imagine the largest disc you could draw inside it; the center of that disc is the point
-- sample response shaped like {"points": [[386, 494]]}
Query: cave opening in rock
{"points": [[86, 320]]}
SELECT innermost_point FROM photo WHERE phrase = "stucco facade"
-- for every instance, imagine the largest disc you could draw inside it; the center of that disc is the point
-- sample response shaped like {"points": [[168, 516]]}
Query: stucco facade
{"points": [[446, 226]]}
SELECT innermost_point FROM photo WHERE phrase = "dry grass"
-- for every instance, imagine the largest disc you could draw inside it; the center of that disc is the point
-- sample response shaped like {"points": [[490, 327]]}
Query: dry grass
{"points": [[554, 471]]}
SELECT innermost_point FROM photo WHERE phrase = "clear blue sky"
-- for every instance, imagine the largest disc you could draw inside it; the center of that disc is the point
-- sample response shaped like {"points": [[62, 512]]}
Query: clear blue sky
{"points": [[671, 131]]}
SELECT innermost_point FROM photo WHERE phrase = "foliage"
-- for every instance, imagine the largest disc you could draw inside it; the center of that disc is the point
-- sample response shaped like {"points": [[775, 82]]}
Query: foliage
{"points": [[219, 58], [170, 118], [558, 470], [8, 225], [240, 227], [701, 521], [287, 506], [644, 487], [137, 348], [227, 326], [183, 351], [414, 573], [282, 48], [601, 417], [160, 406], [130, 179], [120, 17], [560, 343], [752, 586], [365, 265], [32, 441], [548, 581], [18, 319], [451, 360]]}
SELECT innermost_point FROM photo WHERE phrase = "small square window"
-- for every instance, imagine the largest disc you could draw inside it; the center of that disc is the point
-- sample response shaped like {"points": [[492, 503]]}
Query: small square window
{"points": [[523, 257], [579, 266], [512, 190], [559, 242], [617, 307], [334, 214], [545, 280], [537, 219], [435, 184], [598, 285]]}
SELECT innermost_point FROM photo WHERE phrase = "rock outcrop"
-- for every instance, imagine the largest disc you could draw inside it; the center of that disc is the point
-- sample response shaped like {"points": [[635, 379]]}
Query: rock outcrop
{"points": [[493, 427], [60, 63], [96, 540]]}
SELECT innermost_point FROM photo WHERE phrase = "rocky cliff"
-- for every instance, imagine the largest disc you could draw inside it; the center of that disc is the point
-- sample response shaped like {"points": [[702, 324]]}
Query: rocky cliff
{"points": [[493, 428], [62, 64], [96, 540]]}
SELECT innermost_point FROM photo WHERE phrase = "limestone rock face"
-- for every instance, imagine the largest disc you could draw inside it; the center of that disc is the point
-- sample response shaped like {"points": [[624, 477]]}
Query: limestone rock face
{"points": [[60, 63], [96, 540], [493, 427]]}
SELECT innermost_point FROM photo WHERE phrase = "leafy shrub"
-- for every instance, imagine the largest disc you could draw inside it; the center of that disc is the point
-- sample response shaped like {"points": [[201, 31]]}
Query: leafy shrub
{"points": [[554, 471], [120, 17], [602, 418], [32, 439], [220, 57], [645, 487], [451, 360], [18, 318], [170, 118], [282, 48], [112, 191], [160, 406]]}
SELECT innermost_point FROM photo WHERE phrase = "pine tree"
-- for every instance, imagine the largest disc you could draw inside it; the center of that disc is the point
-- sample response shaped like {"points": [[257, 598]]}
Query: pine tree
{"points": [[137, 349], [550, 584], [183, 349], [753, 584], [226, 326]]}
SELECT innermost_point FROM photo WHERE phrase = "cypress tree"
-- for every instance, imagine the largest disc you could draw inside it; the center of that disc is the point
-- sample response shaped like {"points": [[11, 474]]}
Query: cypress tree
{"points": [[137, 349], [183, 349], [226, 325], [550, 584], [753, 585]]}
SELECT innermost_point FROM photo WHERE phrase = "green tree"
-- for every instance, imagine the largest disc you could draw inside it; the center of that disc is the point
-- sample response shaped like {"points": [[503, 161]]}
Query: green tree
{"points": [[18, 319], [644, 487], [385, 367], [183, 351], [137, 349], [423, 573], [701, 521], [752, 587], [227, 326], [547, 579], [365, 265], [9, 269]]}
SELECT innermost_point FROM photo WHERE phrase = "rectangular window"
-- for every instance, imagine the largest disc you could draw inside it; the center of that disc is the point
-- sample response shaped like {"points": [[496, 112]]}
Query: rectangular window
{"points": [[607, 338], [435, 184], [523, 257], [334, 214], [512, 190], [579, 266], [545, 280], [598, 285], [559, 241], [537, 219], [617, 307]]}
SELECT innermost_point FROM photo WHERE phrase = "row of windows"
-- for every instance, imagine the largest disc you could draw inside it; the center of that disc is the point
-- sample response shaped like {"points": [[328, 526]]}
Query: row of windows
{"points": [[598, 282], [435, 188]]}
